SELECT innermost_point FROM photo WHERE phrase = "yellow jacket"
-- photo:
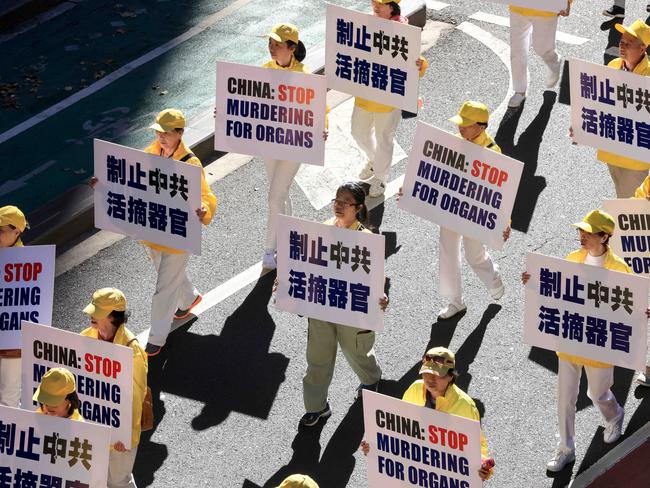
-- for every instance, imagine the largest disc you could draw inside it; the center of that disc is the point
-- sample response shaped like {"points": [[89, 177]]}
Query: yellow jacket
{"points": [[643, 69], [533, 12], [140, 367], [207, 197], [644, 190], [75, 414], [455, 401], [613, 262], [485, 140]]}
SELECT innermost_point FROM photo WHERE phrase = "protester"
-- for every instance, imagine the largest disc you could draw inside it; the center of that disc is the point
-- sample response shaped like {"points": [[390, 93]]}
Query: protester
{"points": [[643, 191], [374, 124], [12, 226], [298, 481], [57, 395], [618, 9], [437, 390], [541, 27], [108, 317], [595, 230]]}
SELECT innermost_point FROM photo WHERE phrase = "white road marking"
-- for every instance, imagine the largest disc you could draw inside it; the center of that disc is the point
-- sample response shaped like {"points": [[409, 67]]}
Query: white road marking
{"points": [[434, 5], [13, 185], [40, 19]]}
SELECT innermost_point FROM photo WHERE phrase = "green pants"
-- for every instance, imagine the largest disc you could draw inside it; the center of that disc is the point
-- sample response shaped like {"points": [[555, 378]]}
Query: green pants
{"points": [[357, 347]]}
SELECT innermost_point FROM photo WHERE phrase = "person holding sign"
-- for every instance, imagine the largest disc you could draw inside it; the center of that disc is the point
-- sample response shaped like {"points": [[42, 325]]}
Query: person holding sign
{"points": [[437, 390], [108, 317], [12, 225], [57, 395], [374, 124]]}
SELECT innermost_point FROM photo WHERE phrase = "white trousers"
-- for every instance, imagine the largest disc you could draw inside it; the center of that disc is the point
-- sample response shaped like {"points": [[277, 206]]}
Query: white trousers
{"points": [[280, 175], [374, 133], [626, 181], [542, 30], [10, 382], [599, 381], [476, 256], [173, 290], [120, 469]]}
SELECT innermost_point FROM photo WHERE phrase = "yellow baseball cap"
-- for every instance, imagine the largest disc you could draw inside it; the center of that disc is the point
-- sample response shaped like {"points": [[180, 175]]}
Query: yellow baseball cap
{"points": [[56, 384], [10, 215], [597, 221], [298, 481], [470, 113], [638, 29], [168, 120], [105, 301], [284, 33], [438, 361]]}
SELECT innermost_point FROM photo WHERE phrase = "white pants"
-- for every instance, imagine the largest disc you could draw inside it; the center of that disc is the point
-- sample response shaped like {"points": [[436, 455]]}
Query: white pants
{"points": [[476, 256], [10, 382], [280, 175], [599, 381], [626, 181], [173, 290], [542, 30], [120, 469], [374, 133]]}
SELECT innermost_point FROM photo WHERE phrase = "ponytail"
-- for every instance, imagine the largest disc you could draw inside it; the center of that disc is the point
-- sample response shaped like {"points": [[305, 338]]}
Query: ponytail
{"points": [[300, 52], [395, 9]]}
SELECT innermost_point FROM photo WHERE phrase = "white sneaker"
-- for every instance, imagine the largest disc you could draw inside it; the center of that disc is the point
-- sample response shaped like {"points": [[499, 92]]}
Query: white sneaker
{"points": [[614, 428], [560, 460], [497, 293], [643, 379], [377, 187], [450, 310], [367, 172], [268, 260], [516, 100], [554, 74]]}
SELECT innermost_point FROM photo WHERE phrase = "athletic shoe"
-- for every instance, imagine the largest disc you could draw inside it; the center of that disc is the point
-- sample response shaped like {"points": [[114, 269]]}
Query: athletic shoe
{"points": [[450, 310], [311, 418], [268, 260], [377, 187], [560, 460], [497, 293], [516, 100], [554, 74], [614, 428], [615, 11], [361, 387], [367, 172], [647, 8], [152, 349], [183, 313], [643, 379]]}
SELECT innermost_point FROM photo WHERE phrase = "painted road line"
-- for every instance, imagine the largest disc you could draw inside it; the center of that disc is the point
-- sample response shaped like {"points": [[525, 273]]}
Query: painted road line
{"points": [[40, 19], [434, 5], [124, 70], [505, 22]]}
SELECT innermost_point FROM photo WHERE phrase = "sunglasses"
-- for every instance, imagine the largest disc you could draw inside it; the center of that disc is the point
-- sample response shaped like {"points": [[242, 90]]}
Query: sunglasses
{"points": [[436, 359], [343, 203]]}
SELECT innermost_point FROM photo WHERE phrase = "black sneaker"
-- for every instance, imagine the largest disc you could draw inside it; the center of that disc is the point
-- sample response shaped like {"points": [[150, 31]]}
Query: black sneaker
{"points": [[614, 11], [152, 349], [647, 8], [360, 388], [311, 418]]}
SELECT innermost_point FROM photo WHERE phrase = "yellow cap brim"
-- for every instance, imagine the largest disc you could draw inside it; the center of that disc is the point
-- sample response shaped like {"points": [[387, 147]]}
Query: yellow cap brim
{"points": [[157, 127], [275, 37], [47, 399], [625, 30], [442, 371], [584, 226], [461, 121], [96, 313]]}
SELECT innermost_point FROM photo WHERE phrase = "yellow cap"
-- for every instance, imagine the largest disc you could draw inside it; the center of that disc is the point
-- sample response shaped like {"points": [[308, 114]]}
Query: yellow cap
{"points": [[56, 384], [284, 33], [638, 29], [10, 215], [298, 481], [470, 113], [168, 120], [438, 361], [105, 301], [597, 221]]}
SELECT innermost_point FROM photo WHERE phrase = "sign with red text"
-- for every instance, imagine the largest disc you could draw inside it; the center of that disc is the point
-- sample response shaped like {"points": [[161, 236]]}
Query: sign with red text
{"points": [[26, 290], [631, 239], [103, 373], [271, 113], [418, 446], [547, 5], [460, 185], [39, 450]]}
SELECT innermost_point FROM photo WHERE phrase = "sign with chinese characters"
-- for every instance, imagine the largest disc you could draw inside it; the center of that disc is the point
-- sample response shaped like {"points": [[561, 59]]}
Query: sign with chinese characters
{"points": [[631, 239], [418, 446], [610, 109], [586, 311], [460, 185], [26, 290], [547, 5], [41, 451], [147, 197], [329, 273], [372, 58], [271, 113], [103, 373]]}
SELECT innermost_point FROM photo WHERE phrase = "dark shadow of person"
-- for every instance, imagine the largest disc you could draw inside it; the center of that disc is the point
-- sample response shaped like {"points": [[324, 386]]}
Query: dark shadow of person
{"points": [[526, 150]]}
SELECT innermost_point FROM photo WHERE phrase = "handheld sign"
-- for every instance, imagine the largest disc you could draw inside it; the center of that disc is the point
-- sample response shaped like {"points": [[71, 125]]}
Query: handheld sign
{"points": [[271, 113], [43, 451], [26, 290], [631, 239], [547, 5], [329, 273], [103, 372], [586, 311], [610, 109], [147, 197], [460, 185], [372, 58], [418, 446]]}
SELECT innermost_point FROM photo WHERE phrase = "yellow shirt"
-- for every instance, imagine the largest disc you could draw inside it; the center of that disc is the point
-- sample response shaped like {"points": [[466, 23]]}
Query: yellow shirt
{"points": [[533, 12], [485, 140], [74, 416], [644, 190], [294, 65]]}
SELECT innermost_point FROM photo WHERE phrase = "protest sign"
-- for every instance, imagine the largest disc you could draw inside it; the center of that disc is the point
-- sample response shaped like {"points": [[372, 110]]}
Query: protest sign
{"points": [[329, 273], [44, 451], [631, 239], [412, 445], [610, 109], [373, 58], [586, 311], [271, 113], [460, 185], [547, 5], [26, 290], [147, 197], [103, 371]]}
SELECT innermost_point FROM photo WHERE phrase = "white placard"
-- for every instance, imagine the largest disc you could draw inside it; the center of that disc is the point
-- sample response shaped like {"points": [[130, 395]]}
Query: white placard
{"points": [[631, 239], [547, 5]]}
